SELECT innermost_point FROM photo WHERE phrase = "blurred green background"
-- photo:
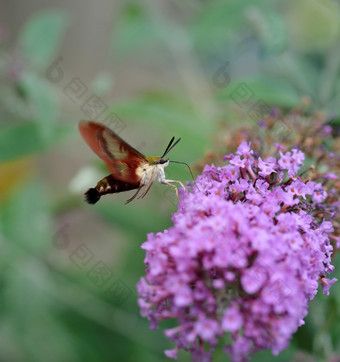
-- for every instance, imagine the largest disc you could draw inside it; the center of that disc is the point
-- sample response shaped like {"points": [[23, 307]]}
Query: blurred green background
{"points": [[150, 70]]}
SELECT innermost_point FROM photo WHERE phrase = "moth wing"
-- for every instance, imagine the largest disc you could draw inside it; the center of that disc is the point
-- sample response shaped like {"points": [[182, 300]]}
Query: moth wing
{"points": [[121, 159]]}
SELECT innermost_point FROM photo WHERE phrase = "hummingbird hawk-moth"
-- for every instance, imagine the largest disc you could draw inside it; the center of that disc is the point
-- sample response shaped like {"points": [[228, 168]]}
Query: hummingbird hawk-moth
{"points": [[129, 169]]}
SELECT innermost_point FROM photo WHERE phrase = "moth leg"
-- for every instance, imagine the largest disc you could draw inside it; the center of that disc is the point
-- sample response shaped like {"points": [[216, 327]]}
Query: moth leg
{"points": [[145, 191], [148, 186], [167, 182], [132, 198]]}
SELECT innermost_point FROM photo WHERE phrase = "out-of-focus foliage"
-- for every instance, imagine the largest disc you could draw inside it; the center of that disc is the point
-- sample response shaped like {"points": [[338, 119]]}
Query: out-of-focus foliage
{"points": [[219, 60], [281, 50], [41, 37]]}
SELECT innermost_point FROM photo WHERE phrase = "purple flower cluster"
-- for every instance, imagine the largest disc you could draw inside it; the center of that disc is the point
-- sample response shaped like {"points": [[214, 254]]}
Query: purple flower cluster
{"points": [[243, 257]]}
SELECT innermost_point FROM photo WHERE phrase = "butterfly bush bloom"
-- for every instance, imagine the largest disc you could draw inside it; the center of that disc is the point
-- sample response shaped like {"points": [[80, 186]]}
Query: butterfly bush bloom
{"points": [[243, 257]]}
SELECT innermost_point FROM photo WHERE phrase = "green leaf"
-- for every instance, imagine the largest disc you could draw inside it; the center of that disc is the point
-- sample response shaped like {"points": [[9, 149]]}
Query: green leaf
{"points": [[217, 26], [24, 139], [313, 25], [41, 36], [135, 32], [19, 141], [270, 27], [44, 106], [288, 67], [251, 90], [25, 218]]}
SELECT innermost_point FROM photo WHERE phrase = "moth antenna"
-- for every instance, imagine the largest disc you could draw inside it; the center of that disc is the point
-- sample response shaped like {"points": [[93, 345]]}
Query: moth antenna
{"points": [[183, 163], [167, 149], [173, 146]]}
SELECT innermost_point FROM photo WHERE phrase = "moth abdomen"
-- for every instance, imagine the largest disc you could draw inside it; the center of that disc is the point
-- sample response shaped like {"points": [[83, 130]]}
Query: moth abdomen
{"points": [[108, 185], [92, 196]]}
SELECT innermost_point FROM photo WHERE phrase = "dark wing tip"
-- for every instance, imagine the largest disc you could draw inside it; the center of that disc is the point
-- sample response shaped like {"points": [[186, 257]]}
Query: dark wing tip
{"points": [[92, 196]]}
